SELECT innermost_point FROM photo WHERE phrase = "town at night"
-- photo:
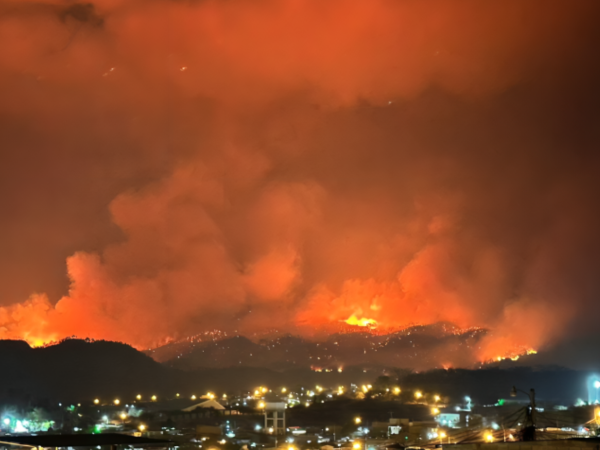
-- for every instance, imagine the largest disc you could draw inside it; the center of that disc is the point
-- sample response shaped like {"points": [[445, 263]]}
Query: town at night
{"points": [[299, 224]]}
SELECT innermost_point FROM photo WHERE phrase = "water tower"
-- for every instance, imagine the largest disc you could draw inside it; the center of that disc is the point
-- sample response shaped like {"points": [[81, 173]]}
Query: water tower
{"points": [[275, 417]]}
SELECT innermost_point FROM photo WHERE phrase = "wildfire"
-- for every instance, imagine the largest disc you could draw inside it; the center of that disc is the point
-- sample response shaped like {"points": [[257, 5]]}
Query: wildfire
{"points": [[514, 355], [362, 322]]}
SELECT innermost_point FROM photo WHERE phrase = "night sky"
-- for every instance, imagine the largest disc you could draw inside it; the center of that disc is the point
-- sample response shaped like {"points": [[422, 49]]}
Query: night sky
{"points": [[171, 167]]}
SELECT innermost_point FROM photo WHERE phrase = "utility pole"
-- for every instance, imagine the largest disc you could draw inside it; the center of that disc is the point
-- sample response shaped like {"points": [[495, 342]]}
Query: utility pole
{"points": [[530, 414]]}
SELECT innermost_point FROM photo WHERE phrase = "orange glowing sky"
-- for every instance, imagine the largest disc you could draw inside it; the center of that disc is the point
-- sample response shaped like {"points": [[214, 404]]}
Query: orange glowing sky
{"points": [[296, 164]]}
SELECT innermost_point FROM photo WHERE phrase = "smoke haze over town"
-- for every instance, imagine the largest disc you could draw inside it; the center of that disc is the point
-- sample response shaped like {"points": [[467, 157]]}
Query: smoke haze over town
{"points": [[172, 169]]}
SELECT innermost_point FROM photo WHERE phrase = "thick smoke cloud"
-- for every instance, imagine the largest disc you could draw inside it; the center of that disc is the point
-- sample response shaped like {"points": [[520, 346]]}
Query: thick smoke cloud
{"points": [[287, 164]]}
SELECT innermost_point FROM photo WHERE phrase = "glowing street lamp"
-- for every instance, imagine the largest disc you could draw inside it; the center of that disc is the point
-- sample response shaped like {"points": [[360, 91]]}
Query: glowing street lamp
{"points": [[193, 397], [153, 398], [442, 436], [96, 401], [117, 401], [357, 420], [530, 412], [489, 437], [356, 445], [436, 398], [435, 411], [139, 397], [418, 395], [397, 390], [141, 427]]}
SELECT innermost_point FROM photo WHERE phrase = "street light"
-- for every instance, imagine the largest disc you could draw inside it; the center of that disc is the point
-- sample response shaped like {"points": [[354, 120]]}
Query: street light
{"points": [[357, 420], [96, 401], [418, 395], [117, 401], [442, 436], [142, 427], [530, 411], [356, 445]]}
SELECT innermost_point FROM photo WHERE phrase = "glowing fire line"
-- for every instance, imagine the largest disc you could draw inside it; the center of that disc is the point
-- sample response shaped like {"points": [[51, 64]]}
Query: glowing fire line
{"points": [[362, 322]]}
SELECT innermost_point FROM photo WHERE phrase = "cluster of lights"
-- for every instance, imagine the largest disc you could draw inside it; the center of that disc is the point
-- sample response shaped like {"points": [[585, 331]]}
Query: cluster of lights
{"points": [[209, 395], [117, 401], [261, 390]]}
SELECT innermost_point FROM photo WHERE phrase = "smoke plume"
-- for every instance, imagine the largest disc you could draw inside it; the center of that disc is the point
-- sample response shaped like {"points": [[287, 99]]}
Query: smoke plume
{"points": [[248, 166]]}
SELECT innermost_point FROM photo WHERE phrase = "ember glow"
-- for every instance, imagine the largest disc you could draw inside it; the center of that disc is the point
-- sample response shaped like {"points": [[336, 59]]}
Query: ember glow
{"points": [[241, 167], [362, 322]]}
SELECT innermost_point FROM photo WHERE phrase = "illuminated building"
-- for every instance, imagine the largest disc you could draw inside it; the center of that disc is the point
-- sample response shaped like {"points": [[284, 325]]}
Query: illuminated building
{"points": [[275, 417]]}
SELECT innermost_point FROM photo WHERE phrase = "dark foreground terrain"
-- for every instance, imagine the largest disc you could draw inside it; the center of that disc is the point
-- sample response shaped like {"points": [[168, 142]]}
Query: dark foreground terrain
{"points": [[77, 370]]}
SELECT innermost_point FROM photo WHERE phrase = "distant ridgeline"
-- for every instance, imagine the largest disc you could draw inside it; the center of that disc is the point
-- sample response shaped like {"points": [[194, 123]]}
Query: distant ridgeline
{"points": [[77, 371]]}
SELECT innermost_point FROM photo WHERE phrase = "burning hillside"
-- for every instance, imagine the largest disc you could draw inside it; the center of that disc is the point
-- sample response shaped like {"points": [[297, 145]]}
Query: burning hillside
{"points": [[298, 166]]}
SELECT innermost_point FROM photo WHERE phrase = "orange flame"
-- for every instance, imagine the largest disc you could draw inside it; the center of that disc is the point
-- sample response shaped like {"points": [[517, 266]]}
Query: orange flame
{"points": [[362, 322]]}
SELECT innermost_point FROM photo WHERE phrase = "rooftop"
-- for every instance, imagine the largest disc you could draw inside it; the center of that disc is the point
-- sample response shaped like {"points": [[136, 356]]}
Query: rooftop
{"points": [[82, 440]]}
